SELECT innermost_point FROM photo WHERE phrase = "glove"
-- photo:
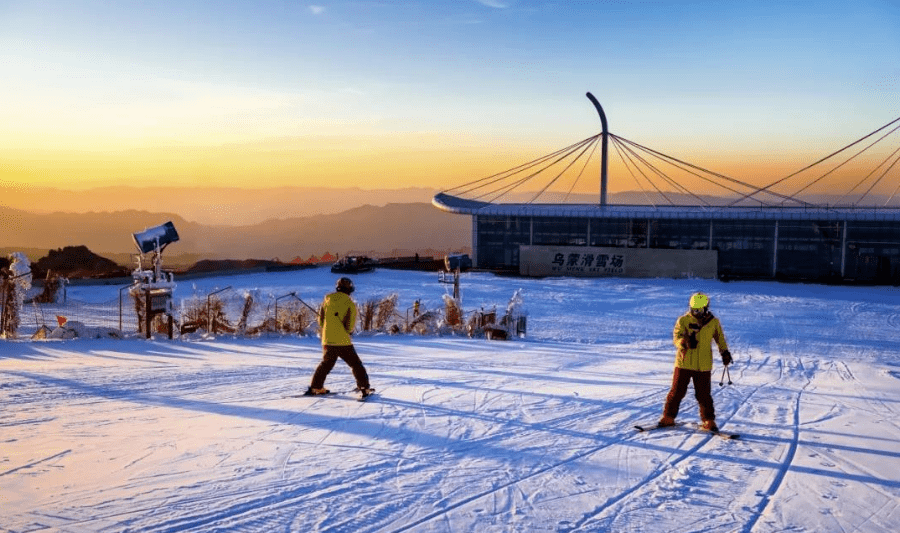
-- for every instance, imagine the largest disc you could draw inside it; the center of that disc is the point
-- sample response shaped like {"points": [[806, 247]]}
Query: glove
{"points": [[692, 340], [692, 335], [726, 358]]}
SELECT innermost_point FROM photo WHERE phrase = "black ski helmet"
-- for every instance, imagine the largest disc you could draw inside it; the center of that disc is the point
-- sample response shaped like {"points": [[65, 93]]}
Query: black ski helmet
{"points": [[344, 285]]}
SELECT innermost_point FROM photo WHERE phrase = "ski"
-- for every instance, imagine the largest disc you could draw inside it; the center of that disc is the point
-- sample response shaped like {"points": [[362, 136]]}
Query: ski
{"points": [[359, 396], [656, 426], [305, 395], [722, 434]]}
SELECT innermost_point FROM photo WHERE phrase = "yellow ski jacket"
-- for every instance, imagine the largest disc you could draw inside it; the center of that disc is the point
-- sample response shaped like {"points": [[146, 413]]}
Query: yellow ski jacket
{"points": [[337, 318], [707, 329]]}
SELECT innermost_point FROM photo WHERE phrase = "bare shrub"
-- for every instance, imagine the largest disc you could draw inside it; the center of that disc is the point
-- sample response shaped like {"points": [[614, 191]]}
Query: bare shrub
{"points": [[294, 318], [140, 304], [425, 324], [50, 293], [201, 313], [245, 313], [386, 311], [14, 281], [453, 315], [481, 322], [367, 314]]}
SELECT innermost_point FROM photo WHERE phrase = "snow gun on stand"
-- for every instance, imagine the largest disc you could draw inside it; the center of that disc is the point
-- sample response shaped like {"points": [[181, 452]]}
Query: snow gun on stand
{"points": [[153, 285]]}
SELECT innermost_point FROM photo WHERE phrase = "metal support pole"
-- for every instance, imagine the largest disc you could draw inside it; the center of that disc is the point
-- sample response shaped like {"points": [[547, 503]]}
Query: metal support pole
{"points": [[208, 309], [148, 315], [475, 258], [844, 251], [294, 294], [120, 304], [648, 234], [775, 253], [603, 145], [3, 285]]}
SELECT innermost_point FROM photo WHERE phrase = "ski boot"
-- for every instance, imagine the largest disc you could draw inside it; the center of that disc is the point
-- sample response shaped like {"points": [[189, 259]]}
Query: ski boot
{"points": [[709, 425], [666, 421], [364, 392]]}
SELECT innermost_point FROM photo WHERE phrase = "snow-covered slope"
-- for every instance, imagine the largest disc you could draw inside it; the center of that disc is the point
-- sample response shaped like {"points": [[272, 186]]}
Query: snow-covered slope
{"points": [[467, 434]]}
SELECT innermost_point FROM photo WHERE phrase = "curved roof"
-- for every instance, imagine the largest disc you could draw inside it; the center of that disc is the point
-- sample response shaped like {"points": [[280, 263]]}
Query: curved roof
{"points": [[462, 206]]}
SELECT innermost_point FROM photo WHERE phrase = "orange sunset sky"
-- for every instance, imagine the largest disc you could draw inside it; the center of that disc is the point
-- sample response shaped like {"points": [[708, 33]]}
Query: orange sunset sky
{"points": [[401, 94]]}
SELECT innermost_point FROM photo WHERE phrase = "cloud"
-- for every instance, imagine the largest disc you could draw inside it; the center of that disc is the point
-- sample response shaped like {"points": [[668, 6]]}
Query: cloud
{"points": [[493, 3], [316, 10]]}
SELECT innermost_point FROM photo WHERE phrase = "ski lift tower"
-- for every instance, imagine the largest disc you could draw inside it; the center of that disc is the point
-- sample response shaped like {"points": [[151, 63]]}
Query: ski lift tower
{"points": [[154, 285]]}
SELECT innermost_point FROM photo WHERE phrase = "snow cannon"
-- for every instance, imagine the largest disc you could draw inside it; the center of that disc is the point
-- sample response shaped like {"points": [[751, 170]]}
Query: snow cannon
{"points": [[156, 238], [152, 287]]}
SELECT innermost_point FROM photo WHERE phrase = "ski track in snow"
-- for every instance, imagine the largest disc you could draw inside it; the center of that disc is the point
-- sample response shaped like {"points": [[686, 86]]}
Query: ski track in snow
{"points": [[467, 434]]}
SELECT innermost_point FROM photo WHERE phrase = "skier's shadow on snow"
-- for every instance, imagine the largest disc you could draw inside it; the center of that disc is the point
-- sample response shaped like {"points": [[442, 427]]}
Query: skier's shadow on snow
{"points": [[376, 428], [578, 384]]}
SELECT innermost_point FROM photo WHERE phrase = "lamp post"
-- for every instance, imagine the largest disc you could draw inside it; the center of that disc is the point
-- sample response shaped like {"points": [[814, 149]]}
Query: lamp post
{"points": [[603, 143]]}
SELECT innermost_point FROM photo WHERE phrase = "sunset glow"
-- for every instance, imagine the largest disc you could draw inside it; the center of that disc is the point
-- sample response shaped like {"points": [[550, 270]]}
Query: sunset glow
{"points": [[402, 94]]}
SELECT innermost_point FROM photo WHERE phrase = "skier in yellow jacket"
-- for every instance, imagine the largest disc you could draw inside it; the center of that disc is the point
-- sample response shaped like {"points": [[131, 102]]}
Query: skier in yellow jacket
{"points": [[337, 320], [693, 335]]}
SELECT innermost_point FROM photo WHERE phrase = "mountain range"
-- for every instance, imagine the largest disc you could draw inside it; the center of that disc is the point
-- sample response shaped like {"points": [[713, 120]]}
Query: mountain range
{"points": [[213, 206], [283, 223], [392, 229]]}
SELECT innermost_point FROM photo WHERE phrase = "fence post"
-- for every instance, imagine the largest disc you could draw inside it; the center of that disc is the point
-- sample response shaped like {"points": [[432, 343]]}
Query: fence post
{"points": [[2, 305], [208, 305], [292, 293], [120, 305]]}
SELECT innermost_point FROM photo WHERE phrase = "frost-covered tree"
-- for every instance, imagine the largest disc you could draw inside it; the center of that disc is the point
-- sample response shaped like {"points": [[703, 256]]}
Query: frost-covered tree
{"points": [[516, 315], [16, 280]]}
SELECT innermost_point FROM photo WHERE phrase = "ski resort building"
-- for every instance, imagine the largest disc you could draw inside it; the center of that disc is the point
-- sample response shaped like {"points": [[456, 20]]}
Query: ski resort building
{"points": [[676, 241], [802, 241]]}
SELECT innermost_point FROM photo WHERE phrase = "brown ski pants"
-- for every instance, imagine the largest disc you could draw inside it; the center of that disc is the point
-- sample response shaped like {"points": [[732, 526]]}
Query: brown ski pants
{"points": [[330, 356], [680, 381]]}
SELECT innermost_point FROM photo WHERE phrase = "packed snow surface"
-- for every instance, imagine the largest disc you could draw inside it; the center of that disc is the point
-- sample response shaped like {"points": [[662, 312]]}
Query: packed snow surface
{"points": [[533, 434]]}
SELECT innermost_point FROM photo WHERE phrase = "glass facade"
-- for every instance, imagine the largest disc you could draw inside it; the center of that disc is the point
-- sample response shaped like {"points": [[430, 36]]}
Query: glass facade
{"points": [[806, 250], [560, 231], [809, 249], [678, 234], [498, 240], [873, 252], [619, 232], [746, 247]]}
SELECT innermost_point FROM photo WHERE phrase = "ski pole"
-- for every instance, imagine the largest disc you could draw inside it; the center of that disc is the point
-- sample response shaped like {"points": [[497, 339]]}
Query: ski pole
{"points": [[722, 379]]}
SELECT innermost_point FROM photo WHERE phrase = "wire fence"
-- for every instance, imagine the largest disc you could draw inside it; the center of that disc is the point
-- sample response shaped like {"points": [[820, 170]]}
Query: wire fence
{"points": [[222, 311], [243, 312], [118, 314]]}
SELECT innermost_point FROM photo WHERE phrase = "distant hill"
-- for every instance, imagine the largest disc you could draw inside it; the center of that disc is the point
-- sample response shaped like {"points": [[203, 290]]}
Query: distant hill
{"points": [[76, 262], [213, 206], [390, 229], [393, 228]]}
